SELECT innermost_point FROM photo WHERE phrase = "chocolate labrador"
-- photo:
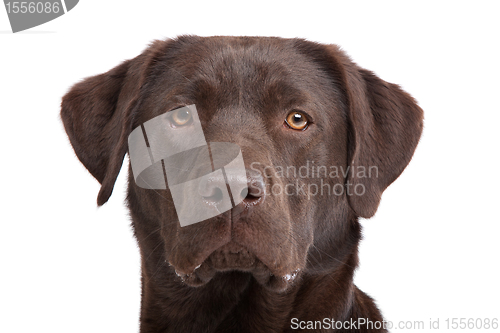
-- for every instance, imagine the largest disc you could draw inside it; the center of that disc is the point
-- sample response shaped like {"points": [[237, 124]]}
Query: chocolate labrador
{"points": [[321, 139]]}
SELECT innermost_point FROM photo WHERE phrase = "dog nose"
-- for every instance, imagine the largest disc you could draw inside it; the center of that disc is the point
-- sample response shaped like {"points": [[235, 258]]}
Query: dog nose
{"points": [[249, 190], [253, 191], [256, 189]]}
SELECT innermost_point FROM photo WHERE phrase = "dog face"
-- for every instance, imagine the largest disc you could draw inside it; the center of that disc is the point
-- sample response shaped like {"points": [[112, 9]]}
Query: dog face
{"points": [[321, 139]]}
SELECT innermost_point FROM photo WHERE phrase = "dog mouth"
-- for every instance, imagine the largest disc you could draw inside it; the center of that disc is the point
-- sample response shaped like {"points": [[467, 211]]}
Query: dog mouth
{"points": [[235, 257]]}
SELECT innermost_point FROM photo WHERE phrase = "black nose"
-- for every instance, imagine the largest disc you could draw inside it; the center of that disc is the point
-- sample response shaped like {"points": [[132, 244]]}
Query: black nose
{"points": [[249, 190]]}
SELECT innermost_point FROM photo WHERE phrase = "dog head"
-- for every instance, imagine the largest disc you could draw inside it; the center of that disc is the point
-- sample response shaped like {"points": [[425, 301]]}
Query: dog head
{"points": [[321, 139]]}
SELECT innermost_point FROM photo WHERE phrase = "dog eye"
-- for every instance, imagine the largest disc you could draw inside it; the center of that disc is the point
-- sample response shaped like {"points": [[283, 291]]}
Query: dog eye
{"points": [[297, 120], [181, 117]]}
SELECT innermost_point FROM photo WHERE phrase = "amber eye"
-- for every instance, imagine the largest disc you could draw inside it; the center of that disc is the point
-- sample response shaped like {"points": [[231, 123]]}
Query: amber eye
{"points": [[297, 120], [181, 117]]}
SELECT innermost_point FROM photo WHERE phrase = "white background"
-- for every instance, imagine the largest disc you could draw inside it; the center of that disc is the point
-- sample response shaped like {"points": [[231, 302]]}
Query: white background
{"points": [[432, 249]]}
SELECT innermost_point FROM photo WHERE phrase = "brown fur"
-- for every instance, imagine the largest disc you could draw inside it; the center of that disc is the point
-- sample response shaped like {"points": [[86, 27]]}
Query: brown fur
{"points": [[243, 88]]}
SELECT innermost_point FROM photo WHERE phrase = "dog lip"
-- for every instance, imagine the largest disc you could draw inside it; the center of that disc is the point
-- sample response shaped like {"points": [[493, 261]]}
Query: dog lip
{"points": [[235, 257], [232, 256]]}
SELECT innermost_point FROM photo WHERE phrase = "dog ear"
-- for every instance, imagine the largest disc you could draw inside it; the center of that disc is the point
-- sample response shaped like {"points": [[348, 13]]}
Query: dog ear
{"points": [[385, 124], [385, 127], [96, 114]]}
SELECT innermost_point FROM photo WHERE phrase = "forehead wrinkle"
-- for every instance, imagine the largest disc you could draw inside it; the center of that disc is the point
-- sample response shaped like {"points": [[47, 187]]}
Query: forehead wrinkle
{"points": [[245, 77], [248, 75]]}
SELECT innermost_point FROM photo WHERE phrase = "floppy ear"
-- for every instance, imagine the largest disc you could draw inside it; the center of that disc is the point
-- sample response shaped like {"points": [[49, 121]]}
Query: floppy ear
{"points": [[96, 114], [385, 124], [385, 127]]}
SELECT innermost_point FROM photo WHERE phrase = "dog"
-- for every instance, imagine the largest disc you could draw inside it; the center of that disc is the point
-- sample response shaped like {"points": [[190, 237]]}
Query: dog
{"points": [[306, 118]]}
